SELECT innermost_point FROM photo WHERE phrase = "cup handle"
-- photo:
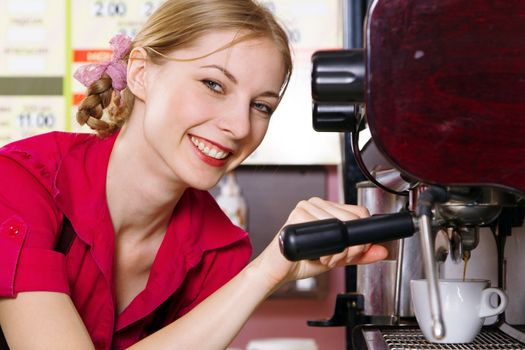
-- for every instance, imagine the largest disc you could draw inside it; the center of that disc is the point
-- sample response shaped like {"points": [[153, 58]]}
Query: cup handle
{"points": [[486, 309]]}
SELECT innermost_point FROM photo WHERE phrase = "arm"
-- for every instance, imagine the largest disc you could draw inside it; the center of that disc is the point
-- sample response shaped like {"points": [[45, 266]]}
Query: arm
{"points": [[42, 320], [215, 322], [33, 320]]}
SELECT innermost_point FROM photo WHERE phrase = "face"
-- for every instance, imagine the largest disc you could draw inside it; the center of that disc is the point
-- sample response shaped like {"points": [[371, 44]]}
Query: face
{"points": [[204, 117]]}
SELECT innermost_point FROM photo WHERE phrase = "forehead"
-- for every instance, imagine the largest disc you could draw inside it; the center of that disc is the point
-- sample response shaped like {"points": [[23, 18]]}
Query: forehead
{"points": [[244, 57]]}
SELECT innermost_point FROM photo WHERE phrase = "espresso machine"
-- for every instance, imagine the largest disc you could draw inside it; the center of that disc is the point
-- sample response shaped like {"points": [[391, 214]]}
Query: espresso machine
{"points": [[440, 88]]}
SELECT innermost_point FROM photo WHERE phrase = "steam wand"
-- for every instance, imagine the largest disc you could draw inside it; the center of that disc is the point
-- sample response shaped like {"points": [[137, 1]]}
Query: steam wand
{"points": [[426, 202]]}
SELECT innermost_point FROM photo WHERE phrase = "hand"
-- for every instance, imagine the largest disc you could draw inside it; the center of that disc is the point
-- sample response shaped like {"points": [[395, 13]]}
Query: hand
{"points": [[279, 270]]}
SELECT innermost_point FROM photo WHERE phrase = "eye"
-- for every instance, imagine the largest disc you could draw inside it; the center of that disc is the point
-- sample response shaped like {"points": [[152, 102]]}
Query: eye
{"points": [[263, 107], [213, 86]]}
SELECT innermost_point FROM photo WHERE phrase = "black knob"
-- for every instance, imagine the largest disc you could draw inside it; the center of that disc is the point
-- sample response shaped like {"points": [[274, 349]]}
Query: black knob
{"points": [[338, 76], [334, 116]]}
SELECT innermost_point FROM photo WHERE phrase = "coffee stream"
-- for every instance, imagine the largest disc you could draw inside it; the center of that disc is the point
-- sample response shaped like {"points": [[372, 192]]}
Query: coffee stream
{"points": [[466, 257]]}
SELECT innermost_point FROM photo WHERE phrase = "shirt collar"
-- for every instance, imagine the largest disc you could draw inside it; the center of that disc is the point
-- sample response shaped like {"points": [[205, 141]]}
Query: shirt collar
{"points": [[81, 195]]}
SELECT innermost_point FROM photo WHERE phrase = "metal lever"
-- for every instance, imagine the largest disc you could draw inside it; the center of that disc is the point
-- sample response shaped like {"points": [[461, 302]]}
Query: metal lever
{"points": [[426, 202], [427, 250]]}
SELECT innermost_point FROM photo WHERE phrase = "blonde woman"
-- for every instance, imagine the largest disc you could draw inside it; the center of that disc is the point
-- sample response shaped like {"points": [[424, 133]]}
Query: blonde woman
{"points": [[151, 262]]}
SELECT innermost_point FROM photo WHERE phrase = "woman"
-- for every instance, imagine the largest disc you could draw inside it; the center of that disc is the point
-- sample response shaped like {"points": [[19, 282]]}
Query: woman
{"points": [[154, 263]]}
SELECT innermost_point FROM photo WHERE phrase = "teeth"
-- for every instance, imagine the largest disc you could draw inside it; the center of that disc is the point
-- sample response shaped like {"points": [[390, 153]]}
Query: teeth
{"points": [[210, 152]]}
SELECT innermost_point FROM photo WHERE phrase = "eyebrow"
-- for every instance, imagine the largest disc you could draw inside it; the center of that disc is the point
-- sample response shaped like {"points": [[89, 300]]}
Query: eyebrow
{"points": [[233, 80]]}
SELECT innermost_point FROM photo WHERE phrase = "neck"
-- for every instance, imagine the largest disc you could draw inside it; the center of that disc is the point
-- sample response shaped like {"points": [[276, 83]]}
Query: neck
{"points": [[141, 192]]}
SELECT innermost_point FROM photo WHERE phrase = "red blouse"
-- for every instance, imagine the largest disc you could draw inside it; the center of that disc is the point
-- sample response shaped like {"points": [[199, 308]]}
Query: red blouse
{"points": [[48, 176]]}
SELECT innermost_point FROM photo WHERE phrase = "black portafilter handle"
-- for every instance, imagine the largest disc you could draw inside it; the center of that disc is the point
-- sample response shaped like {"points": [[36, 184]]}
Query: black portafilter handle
{"points": [[312, 240]]}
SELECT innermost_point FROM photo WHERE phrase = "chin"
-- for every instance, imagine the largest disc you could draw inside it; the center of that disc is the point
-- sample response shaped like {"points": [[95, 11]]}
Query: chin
{"points": [[204, 185]]}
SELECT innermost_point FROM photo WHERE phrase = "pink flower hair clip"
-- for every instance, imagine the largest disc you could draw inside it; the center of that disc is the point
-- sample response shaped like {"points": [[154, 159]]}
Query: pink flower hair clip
{"points": [[115, 68]]}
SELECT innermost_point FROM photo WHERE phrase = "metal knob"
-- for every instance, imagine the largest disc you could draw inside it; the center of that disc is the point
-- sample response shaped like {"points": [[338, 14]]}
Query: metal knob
{"points": [[334, 117], [338, 76]]}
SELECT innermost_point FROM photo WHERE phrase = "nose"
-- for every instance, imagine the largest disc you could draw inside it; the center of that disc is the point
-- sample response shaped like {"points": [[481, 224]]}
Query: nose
{"points": [[235, 120]]}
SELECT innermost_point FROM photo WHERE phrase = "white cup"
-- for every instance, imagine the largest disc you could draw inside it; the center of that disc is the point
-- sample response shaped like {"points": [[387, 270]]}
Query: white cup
{"points": [[464, 306]]}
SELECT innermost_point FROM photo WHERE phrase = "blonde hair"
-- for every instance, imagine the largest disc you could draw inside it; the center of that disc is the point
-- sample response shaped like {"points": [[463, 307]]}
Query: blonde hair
{"points": [[174, 25]]}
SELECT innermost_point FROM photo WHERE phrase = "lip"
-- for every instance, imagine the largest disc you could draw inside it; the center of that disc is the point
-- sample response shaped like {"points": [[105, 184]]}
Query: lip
{"points": [[207, 159]]}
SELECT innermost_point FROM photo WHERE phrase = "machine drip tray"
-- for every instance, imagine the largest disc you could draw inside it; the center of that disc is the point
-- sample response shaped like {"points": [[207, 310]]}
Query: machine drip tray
{"points": [[411, 338]]}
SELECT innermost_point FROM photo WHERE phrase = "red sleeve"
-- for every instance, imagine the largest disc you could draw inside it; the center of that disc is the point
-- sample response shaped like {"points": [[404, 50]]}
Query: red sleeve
{"points": [[29, 223]]}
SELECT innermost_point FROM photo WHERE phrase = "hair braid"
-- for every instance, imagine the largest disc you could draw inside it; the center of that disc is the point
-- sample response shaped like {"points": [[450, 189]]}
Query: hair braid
{"points": [[99, 96]]}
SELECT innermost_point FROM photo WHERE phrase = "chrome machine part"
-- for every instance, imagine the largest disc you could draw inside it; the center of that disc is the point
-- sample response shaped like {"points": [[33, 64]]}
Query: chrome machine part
{"points": [[478, 207], [378, 201], [389, 280], [382, 279], [427, 249], [410, 267], [376, 283], [442, 246], [462, 241], [392, 179], [410, 338]]}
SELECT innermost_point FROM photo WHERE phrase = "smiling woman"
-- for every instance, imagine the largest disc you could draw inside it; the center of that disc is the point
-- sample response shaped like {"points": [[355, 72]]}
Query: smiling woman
{"points": [[221, 102], [154, 263]]}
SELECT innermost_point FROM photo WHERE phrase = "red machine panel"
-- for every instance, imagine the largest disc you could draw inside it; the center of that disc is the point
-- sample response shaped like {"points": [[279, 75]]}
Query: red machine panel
{"points": [[445, 89]]}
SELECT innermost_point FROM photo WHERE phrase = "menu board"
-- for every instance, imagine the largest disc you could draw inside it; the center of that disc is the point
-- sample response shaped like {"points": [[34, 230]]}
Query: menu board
{"points": [[32, 66], [42, 42]]}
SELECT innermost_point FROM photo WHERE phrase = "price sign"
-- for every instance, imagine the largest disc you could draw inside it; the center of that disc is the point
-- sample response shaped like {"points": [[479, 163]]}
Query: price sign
{"points": [[24, 116], [95, 22], [109, 8]]}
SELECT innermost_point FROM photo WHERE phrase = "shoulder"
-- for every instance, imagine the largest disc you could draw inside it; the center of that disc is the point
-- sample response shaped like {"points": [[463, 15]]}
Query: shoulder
{"points": [[28, 169], [39, 155], [55, 141]]}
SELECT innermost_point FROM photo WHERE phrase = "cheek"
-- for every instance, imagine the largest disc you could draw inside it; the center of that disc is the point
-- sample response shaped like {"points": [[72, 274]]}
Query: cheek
{"points": [[259, 129], [178, 109]]}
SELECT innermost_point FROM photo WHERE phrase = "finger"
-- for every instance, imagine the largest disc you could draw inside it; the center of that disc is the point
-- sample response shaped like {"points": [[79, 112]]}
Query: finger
{"points": [[332, 260], [359, 210], [346, 256], [338, 209], [337, 258], [354, 252], [374, 254], [318, 211], [348, 213], [325, 260], [300, 214]]}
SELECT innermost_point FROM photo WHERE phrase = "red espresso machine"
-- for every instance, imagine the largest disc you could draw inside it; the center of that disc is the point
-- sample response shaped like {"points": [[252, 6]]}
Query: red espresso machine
{"points": [[440, 86]]}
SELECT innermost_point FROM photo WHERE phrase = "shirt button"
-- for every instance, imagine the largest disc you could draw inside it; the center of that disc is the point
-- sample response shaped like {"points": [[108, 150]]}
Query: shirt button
{"points": [[14, 230]]}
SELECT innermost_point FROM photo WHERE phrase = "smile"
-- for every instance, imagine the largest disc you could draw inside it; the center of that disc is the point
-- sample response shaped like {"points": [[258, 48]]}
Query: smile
{"points": [[209, 149]]}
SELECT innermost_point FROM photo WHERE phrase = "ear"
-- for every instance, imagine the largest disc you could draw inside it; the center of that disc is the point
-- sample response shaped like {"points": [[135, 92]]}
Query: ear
{"points": [[136, 77]]}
